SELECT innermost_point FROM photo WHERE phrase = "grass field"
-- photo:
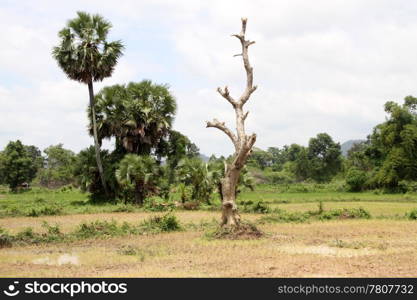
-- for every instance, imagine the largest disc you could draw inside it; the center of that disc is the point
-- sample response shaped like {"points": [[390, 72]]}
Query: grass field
{"points": [[383, 246]]}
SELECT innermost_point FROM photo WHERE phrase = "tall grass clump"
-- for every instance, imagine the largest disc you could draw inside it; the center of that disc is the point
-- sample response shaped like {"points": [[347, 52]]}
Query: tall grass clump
{"points": [[412, 215], [163, 223]]}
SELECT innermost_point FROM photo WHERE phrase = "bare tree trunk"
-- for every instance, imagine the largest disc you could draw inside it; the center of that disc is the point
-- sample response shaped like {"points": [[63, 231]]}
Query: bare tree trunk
{"points": [[96, 144], [243, 143]]}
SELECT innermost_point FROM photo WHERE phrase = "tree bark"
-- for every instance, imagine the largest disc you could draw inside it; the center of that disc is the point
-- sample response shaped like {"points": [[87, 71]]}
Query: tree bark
{"points": [[243, 143], [96, 143], [139, 196]]}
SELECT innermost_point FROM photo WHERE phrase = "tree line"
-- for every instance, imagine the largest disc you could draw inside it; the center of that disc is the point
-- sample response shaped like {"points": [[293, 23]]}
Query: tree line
{"points": [[150, 157], [385, 160]]}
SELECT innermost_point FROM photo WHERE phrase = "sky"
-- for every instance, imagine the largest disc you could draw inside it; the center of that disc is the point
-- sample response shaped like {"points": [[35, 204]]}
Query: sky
{"points": [[320, 66]]}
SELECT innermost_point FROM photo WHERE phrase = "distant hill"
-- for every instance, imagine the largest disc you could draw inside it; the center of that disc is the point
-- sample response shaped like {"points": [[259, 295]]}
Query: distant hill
{"points": [[345, 147]]}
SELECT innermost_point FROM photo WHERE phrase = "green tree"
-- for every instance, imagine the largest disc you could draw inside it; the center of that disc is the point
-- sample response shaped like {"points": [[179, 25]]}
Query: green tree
{"points": [[59, 166], [325, 157], [358, 156], [260, 158], [394, 144], [356, 179], [85, 55], [299, 162], [2, 168], [137, 175], [37, 158], [18, 165], [88, 177]]}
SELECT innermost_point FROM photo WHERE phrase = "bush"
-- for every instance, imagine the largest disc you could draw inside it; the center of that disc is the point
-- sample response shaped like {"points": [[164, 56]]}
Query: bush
{"points": [[27, 235], [157, 224], [412, 215], [257, 206], [53, 232], [44, 211], [102, 229], [6, 240], [355, 180], [407, 186], [245, 231], [345, 213], [157, 204], [281, 177]]}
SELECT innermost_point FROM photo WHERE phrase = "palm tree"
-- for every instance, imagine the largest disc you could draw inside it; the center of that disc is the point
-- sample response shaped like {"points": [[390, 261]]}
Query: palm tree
{"points": [[86, 56], [139, 115], [195, 173], [217, 169], [137, 174]]}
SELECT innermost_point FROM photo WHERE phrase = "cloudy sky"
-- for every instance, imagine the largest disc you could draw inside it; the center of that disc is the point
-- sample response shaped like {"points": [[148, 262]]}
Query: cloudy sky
{"points": [[320, 66]]}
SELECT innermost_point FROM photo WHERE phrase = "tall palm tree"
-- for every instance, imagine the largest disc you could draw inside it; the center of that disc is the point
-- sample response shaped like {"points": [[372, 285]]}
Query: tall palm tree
{"points": [[86, 56], [139, 115]]}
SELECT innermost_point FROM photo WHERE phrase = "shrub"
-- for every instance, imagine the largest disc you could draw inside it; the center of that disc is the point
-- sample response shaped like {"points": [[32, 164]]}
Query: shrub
{"points": [[355, 180], [14, 211], [157, 204], [27, 235], [245, 231], [102, 229], [6, 240], [412, 215], [353, 213], [257, 206], [165, 223], [407, 186], [44, 211], [281, 177]]}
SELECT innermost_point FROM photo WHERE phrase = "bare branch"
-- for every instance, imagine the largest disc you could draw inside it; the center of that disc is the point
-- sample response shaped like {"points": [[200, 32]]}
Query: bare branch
{"points": [[245, 115], [240, 37], [251, 140], [226, 95], [221, 125], [244, 20], [248, 68]]}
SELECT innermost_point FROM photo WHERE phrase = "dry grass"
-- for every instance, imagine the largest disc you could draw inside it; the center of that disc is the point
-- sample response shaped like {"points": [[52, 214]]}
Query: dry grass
{"points": [[361, 248]]}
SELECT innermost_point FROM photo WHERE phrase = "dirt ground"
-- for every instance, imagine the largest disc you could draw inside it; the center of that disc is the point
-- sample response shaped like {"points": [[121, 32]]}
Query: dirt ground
{"points": [[348, 248]]}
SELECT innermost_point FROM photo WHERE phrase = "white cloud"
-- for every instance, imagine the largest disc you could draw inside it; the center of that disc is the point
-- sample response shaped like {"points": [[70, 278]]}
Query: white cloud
{"points": [[321, 66]]}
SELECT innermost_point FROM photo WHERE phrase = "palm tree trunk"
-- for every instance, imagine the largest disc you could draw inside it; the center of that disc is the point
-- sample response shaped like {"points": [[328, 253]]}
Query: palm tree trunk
{"points": [[139, 195], [96, 144]]}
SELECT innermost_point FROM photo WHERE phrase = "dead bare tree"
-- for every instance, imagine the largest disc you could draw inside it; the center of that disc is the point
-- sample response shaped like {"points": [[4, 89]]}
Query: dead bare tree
{"points": [[243, 143]]}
